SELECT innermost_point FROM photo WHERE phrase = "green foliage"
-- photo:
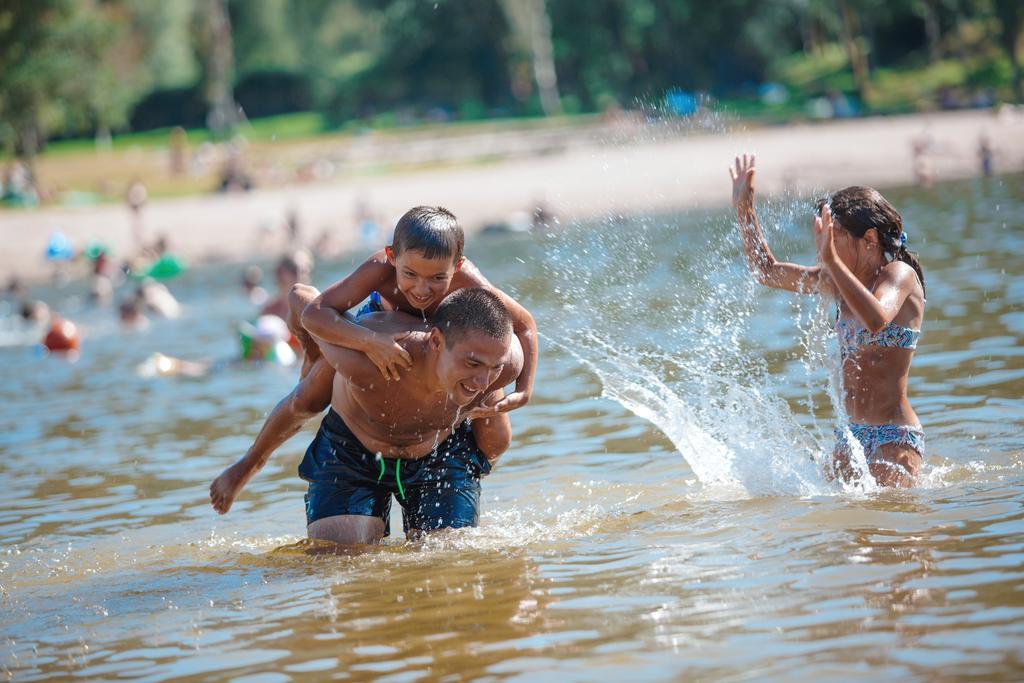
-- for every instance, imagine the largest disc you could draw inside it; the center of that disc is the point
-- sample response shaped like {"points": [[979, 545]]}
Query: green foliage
{"points": [[817, 72], [70, 66], [41, 86]]}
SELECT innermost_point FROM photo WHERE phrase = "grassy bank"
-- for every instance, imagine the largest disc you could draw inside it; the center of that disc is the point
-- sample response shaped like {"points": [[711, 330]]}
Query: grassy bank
{"points": [[277, 150]]}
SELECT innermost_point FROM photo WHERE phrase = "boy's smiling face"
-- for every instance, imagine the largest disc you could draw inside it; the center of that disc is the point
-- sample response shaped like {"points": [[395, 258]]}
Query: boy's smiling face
{"points": [[422, 281]]}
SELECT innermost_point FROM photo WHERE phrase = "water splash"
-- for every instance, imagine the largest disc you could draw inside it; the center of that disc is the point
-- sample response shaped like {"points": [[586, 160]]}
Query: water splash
{"points": [[662, 315]]}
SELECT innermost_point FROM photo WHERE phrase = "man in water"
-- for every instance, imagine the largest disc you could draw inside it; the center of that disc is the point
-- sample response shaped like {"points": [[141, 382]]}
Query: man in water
{"points": [[406, 437]]}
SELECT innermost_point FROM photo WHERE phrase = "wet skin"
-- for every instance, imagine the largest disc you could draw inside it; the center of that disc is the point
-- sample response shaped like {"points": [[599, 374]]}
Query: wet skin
{"points": [[407, 417], [411, 283], [493, 433]]}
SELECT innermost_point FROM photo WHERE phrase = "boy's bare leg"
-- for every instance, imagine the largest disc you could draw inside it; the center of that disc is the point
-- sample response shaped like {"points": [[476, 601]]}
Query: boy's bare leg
{"points": [[309, 398], [348, 529], [299, 297]]}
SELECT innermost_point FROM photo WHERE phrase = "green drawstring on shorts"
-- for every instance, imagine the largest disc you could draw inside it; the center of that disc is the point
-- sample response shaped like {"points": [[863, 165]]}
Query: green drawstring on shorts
{"points": [[398, 478]]}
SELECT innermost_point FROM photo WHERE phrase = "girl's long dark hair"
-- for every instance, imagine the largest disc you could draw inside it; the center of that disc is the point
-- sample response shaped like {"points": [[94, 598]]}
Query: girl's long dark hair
{"points": [[858, 209]]}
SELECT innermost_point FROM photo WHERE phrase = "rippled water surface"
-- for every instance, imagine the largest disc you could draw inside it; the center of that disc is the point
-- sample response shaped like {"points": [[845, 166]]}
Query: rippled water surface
{"points": [[660, 515]]}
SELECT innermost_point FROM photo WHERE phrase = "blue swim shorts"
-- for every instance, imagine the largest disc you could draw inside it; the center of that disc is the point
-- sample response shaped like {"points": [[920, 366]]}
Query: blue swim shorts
{"points": [[441, 490], [373, 305]]}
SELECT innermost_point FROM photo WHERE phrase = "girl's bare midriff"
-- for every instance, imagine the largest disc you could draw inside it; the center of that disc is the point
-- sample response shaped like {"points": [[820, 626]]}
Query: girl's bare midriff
{"points": [[875, 386]]}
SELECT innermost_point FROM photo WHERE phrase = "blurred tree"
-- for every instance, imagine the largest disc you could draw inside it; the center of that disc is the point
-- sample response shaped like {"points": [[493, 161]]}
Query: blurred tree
{"points": [[531, 29], [48, 49], [70, 67], [612, 50], [166, 27], [1011, 19], [138, 54], [271, 75], [216, 50], [341, 40], [929, 12], [441, 56], [265, 36], [855, 52]]}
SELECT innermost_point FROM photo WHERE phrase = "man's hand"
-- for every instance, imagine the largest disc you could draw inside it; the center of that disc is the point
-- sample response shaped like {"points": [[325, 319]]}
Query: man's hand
{"points": [[388, 355], [742, 174]]}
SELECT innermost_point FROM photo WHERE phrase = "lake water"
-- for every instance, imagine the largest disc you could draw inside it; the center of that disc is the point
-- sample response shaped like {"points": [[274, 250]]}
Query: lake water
{"points": [[661, 514]]}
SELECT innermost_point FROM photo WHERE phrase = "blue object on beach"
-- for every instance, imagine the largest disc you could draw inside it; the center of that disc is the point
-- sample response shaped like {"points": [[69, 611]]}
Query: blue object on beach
{"points": [[59, 247], [680, 102]]}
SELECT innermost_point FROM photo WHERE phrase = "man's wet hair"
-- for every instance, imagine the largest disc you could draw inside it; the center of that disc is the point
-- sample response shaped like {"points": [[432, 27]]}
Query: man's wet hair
{"points": [[472, 310], [432, 230]]}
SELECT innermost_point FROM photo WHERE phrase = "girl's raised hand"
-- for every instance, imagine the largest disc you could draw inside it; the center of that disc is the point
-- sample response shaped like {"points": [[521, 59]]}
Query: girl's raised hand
{"points": [[742, 174], [823, 236]]}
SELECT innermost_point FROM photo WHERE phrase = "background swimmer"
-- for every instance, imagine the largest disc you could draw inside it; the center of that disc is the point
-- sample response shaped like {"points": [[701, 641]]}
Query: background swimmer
{"points": [[263, 341]]}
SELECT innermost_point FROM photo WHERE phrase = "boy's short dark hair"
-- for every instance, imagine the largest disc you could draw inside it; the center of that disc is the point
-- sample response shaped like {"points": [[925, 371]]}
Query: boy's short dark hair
{"points": [[433, 230], [472, 309]]}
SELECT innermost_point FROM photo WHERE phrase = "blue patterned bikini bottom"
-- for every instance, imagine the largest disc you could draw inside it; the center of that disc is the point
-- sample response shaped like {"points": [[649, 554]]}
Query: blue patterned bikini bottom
{"points": [[873, 437]]}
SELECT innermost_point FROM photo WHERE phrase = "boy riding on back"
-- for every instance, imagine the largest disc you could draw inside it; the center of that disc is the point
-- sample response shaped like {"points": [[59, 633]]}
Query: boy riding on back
{"points": [[421, 267]]}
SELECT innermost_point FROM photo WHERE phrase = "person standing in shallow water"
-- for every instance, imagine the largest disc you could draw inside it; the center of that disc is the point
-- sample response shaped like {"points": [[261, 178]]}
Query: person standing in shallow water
{"points": [[406, 436], [879, 290]]}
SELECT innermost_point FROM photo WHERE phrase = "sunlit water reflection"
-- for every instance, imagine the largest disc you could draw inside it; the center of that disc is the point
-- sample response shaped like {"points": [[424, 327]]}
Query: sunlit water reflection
{"points": [[609, 548]]}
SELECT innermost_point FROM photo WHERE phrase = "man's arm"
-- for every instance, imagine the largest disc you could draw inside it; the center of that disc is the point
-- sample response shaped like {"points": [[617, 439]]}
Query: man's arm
{"points": [[309, 397], [324, 317], [493, 434]]}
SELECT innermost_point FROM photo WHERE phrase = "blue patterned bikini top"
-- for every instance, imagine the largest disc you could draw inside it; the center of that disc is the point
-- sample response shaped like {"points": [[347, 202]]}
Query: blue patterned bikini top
{"points": [[853, 336]]}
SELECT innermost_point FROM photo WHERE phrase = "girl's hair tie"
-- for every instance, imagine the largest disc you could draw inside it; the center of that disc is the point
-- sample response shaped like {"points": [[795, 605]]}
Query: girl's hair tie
{"points": [[903, 240]]}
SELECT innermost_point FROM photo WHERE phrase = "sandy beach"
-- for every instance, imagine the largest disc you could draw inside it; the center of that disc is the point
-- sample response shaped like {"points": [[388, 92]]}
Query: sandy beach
{"points": [[579, 182]]}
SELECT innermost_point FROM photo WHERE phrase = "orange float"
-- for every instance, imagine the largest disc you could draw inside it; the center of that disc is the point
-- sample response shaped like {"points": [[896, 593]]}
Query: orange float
{"points": [[63, 336]]}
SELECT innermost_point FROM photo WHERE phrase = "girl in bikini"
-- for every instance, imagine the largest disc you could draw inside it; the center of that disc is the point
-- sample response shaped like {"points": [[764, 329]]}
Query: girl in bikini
{"points": [[879, 289]]}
